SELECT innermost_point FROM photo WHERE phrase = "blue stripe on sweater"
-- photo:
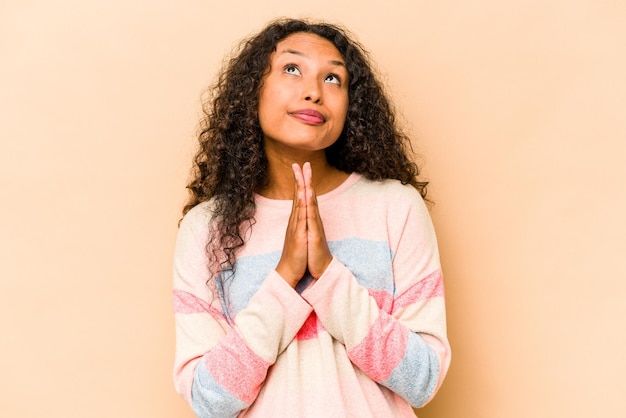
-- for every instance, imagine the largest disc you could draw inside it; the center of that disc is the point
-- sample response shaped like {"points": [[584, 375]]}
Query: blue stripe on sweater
{"points": [[210, 400], [415, 377], [369, 261]]}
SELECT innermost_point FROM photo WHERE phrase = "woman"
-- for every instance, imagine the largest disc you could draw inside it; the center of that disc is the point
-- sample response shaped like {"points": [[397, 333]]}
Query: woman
{"points": [[307, 280]]}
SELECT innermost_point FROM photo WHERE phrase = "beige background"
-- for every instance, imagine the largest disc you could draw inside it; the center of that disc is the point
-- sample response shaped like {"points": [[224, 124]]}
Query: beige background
{"points": [[518, 107]]}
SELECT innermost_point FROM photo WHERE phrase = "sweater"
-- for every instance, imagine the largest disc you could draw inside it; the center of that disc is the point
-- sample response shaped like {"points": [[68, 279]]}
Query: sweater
{"points": [[367, 339]]}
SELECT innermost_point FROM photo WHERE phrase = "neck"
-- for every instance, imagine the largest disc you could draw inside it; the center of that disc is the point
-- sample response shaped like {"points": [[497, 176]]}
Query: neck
{"points": [[281, 182]]}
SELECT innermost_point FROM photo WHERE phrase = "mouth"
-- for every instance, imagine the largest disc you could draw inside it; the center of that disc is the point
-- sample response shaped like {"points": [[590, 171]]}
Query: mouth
{"points": [[309, 116]]}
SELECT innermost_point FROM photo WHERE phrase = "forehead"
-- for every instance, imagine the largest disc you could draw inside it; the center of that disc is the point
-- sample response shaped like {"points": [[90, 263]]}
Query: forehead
{"points": [[308, 44]]}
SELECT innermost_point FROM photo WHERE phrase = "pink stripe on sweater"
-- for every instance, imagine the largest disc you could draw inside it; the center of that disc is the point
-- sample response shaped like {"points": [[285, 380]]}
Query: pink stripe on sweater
{"points": [[310, 328], [382, 349], [186, 303], [383, 299], [430, 286], [237, 368]]}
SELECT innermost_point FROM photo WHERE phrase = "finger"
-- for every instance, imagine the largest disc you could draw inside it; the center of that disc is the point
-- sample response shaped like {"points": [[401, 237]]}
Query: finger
{"points": [[293, 261], [300, 185], [313, 214], [298, 211], [295, 191], [319, 255], [298, 202], [314, 219], [307, 174]]}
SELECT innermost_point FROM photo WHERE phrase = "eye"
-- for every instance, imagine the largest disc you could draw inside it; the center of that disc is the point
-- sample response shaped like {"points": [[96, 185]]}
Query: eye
{"points": [[332, 78], [291, 69]]}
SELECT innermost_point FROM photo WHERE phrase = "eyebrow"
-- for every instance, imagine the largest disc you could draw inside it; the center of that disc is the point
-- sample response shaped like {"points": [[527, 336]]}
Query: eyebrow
{"points": [[302, 54]]}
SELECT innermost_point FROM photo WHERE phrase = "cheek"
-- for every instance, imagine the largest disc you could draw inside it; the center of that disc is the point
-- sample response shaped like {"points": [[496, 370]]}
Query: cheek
{"points": [[343, 111], [270, 101], [264, 109]]}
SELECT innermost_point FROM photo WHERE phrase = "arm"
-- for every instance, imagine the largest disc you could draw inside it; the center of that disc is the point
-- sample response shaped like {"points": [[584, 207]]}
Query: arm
{"points": [[219, 368], [403, 347]]}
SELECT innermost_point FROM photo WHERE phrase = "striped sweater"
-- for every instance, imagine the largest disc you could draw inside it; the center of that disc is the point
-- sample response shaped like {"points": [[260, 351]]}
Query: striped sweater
{"points": [[367, 339]]}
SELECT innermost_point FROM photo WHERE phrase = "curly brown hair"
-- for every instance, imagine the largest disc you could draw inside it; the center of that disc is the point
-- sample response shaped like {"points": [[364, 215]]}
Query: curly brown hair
{"points": [[230, 165]]}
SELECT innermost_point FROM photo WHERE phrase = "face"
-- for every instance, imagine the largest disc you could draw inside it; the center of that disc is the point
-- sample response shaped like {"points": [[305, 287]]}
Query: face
{"points": [[304, 99]]}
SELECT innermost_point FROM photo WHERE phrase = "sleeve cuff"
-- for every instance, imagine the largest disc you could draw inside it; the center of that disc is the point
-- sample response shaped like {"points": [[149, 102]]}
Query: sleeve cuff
{"points": [[344, 307], [272, 318]]}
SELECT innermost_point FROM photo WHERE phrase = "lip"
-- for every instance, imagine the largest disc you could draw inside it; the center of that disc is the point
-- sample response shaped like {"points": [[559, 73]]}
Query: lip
{"points": [[309, 116]]}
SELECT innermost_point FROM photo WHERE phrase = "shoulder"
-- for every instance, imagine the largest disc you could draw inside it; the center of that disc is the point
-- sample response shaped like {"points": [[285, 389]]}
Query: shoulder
{"points": [[391, 191], [198, 218]]}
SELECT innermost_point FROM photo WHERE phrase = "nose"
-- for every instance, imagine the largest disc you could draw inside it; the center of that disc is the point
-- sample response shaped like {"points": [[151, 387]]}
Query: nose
{"points": [[312, 91]]}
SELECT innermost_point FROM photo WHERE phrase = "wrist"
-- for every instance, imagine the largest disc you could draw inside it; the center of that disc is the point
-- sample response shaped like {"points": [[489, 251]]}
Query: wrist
{"points": [[289, 278]]}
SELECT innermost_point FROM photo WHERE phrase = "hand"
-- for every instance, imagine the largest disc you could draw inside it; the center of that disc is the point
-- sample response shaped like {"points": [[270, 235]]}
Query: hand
{"points": [[305, 243], [318, 254], [293, 261]]}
